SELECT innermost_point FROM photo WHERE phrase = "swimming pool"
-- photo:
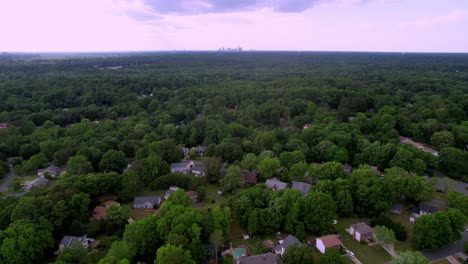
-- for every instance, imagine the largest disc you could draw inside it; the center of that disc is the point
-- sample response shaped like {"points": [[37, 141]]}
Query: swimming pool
{"points": [[238, 252]]}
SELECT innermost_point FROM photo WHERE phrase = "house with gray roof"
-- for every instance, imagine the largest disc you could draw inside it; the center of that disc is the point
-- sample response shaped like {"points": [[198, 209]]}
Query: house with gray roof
{"points": [[68, 241], [276, 184], [189, 167], [284, 244], [52, 170], [148, 202], [361, 232], [303, 187], [268, 258]]}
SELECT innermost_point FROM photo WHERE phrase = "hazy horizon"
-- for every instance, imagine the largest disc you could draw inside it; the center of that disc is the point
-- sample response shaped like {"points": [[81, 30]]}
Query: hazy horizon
{"points": [[262, 25]]}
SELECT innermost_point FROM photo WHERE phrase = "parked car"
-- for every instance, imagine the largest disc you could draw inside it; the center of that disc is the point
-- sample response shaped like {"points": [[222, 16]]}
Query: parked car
{"points": [[350, 253]]}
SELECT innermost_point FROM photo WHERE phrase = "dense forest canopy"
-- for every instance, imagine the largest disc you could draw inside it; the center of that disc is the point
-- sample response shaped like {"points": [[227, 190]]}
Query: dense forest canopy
{"points": [[296, 116]]}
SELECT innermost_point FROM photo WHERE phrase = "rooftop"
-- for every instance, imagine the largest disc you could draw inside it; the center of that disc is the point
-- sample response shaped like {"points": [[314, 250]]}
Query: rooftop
{"points": [[330, 241]]}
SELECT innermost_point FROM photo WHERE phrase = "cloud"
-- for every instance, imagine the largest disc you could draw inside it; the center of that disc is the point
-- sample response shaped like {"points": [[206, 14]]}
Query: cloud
{"points": [[451, 17], [190, 7]]}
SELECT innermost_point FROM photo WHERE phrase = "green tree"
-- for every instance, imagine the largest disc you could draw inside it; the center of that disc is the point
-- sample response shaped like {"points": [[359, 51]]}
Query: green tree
{"points": [[298, 255], [442, 139], [267, 167], [331, 256], [319, 212], [151, 168], [15, 184], [331, 171], [76, 254], [216, 239], [113, 160], [384, 236], [25, 242], [409, 257], [287, 159], [118, 215], [458, 201], [213, 167], [35, 162], [78, 165], [249, 161], [232, 180], [173, 254], [129, 183], [201, 193], [121, 250]]}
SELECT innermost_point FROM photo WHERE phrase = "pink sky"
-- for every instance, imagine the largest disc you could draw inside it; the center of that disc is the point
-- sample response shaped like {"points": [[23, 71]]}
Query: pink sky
{"points": [[333, 25]]}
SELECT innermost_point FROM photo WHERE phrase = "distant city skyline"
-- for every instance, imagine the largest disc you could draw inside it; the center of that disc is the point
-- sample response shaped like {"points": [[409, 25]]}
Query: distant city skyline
{"points": [[293, 25]]}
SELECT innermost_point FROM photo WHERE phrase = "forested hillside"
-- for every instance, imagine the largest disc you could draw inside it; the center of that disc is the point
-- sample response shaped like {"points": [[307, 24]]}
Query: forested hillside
{"points": [[116, 125]]}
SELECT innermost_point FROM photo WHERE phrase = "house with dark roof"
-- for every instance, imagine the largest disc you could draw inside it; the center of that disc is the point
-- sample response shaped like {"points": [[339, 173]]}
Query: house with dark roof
{"points": [[250, 177], [326, 242], [422, 209], [148, 202], [68, 241], [361, 232], [303, 187], [276, 184], [267, 258], [4, 125], [441, 186], [201, 150], [284, 244]]}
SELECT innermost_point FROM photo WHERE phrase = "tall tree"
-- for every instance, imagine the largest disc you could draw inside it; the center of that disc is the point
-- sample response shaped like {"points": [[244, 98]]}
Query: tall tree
{"points": [[232, 180], [409, 257], [298, 255], [173, 254]]}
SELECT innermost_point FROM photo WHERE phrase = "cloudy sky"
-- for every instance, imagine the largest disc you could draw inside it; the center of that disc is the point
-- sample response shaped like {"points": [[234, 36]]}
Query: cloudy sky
{"points": [[332, 25]]}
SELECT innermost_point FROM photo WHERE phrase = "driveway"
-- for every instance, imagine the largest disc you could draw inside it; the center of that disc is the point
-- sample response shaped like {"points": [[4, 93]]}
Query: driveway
{"points": [[446, 251], [7, 179]]}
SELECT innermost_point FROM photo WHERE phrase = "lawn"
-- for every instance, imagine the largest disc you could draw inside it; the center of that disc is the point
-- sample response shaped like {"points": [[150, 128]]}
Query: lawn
{"points": [[366, 254], [138, 214], [403, 218], [24, 179]]}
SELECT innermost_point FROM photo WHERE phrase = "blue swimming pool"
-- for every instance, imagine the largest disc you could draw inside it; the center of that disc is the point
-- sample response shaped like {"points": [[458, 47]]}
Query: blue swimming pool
{"points": [[238, 252]]}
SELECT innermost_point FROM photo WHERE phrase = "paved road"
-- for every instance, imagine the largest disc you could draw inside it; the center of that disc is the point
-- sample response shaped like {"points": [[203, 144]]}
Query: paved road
{"points": [[446, 251], [7, 179]]}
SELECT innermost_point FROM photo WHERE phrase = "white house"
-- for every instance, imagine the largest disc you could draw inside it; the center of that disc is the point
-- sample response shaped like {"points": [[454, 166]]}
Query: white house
{"points": [[149, 202]]}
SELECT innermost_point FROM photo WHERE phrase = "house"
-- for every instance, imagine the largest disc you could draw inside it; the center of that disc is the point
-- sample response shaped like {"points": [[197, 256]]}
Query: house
{"points": [[250, 177], [4, 125], [276, 184], [327, 242], [171, 190], [423, 209], [201, 150], [68, 241], [347, 169], [189, 166], [53, 171], [99, 213], [361, 232], [396, 209], [35, 183], [193, 195], [268, 258], [284, 244], [303, 187], [148, 202]]}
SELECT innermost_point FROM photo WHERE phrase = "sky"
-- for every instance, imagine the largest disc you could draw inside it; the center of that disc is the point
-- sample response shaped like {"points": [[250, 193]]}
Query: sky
{"points": [[154, 25]]}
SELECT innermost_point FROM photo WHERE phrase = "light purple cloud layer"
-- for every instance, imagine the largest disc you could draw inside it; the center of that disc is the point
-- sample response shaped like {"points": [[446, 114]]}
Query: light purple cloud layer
{"points": [[344, 25]]}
